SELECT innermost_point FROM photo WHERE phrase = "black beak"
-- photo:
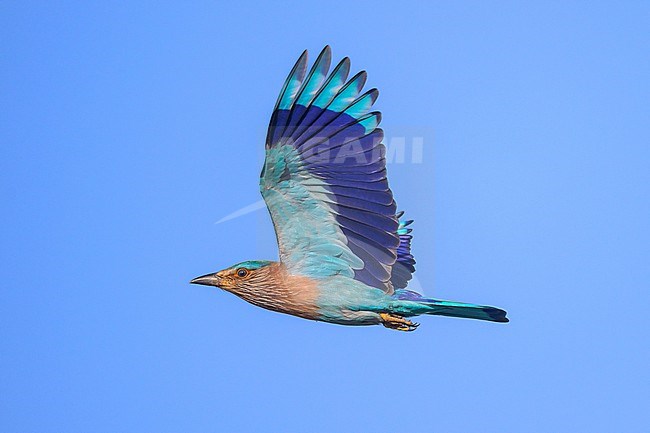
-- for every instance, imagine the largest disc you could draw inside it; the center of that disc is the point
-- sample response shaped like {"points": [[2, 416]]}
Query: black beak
{"points": [[207, 280]]}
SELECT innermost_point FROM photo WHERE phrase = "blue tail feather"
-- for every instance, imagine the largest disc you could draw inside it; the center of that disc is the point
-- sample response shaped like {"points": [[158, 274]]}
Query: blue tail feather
{"points": [[414, 304]]}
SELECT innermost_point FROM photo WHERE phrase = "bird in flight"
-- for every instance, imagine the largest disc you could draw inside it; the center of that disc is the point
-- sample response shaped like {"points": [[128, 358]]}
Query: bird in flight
{"points": [[345, 250]]}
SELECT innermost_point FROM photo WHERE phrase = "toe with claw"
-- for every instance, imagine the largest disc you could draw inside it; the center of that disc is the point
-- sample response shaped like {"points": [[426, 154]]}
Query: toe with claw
{"points": [[397, 322]]}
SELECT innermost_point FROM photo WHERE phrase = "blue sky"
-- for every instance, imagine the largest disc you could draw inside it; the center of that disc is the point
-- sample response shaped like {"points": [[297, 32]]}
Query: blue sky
{"points": [[129, 129]]}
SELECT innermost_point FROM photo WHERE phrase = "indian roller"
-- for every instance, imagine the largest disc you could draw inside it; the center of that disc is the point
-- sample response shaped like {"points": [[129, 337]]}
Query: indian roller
{"points": [[345, 250]]}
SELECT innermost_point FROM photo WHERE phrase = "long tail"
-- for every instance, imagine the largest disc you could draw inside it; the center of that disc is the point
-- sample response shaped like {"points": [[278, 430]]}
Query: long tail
{"points": [[414, 304], [460, 309]]}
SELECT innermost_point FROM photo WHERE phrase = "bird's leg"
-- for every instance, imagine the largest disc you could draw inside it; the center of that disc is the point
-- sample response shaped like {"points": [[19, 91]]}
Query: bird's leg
{"points": [[397, 322]]}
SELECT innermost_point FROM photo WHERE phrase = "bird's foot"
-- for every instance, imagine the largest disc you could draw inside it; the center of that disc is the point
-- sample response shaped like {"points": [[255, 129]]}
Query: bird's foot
{"points": [[397, 322]]}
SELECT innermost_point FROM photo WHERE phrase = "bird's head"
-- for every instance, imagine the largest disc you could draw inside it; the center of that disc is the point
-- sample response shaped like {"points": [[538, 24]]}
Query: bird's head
{"points": [[238, 277]]}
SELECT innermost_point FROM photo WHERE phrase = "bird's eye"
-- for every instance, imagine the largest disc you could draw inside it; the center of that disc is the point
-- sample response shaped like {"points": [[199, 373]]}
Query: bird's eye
{"points": [[241, 272]]}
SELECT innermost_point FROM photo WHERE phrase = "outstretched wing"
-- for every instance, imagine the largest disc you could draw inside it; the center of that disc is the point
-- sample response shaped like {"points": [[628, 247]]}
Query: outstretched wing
{"points": [[324, 177]]}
